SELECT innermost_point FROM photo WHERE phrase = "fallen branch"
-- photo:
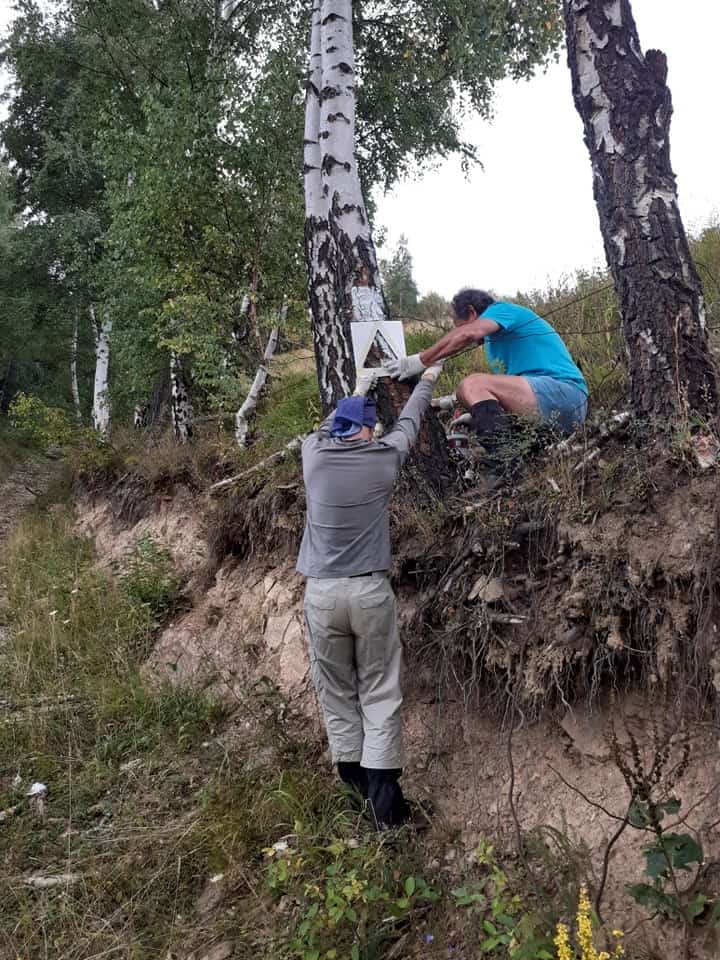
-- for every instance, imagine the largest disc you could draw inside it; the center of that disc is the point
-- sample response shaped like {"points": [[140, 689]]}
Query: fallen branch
{"points": [[268, 461], [46, 881], [242, 426]]}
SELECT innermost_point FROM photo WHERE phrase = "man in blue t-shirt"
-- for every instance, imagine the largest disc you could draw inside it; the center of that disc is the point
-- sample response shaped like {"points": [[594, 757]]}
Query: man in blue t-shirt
{"points": [[532, 371]]}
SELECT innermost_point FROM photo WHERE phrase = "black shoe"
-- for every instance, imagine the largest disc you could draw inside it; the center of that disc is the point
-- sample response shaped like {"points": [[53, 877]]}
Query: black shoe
{"points": [[490, 423], [387, 805], [355, 777]]}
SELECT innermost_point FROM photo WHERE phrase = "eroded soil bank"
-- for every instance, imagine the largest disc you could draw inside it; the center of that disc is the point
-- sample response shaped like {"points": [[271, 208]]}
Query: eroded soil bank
{"points": [[534, 620]]}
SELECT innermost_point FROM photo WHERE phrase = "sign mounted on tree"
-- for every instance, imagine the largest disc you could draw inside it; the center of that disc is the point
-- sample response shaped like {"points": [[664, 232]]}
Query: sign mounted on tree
{"points": [[374, 343]]}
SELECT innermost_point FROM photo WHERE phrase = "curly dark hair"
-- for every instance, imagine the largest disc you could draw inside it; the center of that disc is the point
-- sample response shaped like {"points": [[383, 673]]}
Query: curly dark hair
{"points": [[467, 297]]}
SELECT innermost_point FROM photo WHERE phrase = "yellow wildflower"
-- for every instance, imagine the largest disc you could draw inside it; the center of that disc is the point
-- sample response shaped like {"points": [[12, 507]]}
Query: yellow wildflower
{"points": [[562, 942], [584, 936]]}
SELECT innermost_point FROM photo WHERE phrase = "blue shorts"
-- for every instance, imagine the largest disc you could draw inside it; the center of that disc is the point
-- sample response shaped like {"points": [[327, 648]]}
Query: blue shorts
{"points": [[560, 401]]}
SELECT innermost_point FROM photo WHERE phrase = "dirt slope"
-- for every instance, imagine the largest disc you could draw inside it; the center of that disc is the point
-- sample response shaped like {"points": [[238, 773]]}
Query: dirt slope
{"points": [[584, 607], [27, 482]]}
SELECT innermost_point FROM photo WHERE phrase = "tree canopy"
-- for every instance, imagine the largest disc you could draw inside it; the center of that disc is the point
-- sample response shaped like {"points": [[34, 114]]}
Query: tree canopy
{"points": [[154, 157]]}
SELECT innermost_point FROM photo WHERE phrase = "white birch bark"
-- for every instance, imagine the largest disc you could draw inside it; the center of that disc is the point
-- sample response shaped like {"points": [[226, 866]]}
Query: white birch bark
{"points": [[180, 404], [73, 367], [242, 422], [357, 260], [101, 400], [333, 350]]}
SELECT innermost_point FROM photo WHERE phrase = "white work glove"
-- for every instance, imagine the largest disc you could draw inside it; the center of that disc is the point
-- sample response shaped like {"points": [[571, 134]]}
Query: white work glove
{"points": [[432, 373], [364, 382], [405, 367]]}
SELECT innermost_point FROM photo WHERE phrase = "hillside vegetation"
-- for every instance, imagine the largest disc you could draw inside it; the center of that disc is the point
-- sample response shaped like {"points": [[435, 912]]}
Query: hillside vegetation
{"points": [[199, 820]]}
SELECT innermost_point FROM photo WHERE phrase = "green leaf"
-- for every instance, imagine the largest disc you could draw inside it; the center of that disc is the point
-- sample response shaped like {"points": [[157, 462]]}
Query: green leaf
{"points": [[671, 806], [487, 945], [355, 952], [713, 919], [313, 911], [655, 900], [351, 915], [682, 849], [403, 903], [410, 886], [489, 927], [696, 906], [303, 928], [311, 955]]}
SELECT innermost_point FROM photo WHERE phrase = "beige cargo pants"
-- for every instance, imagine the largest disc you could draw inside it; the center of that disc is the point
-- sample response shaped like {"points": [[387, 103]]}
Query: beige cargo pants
{"points": [[355, 659]]}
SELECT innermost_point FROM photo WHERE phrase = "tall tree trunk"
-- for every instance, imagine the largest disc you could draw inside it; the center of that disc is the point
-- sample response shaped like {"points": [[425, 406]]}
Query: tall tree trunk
{"points": [[358, 286], [101, 399], [331, 331], [73, 367], [343, 276], [180, 403], [625, 106]]}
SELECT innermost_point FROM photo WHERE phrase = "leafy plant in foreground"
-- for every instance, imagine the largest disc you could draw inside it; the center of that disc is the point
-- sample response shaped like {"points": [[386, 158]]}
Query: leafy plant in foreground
{"points": [[507, 928], [351, 894]]}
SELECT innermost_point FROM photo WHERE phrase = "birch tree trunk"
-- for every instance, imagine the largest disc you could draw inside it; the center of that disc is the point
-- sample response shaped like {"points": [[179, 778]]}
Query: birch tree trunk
{"points": [[180, 403], [101, 400], [73, 368], [356, 261], [358, 287], [626, 107], [331, 330], [343, 276]]}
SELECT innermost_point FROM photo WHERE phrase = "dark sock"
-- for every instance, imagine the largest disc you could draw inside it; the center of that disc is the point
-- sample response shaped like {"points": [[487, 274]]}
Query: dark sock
{"points": [[488, 419], [354, 776], [388, 806]]}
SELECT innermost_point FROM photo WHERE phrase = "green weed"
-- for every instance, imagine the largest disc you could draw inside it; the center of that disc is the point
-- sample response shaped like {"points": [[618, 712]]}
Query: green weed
{"points": [[150, 580]]}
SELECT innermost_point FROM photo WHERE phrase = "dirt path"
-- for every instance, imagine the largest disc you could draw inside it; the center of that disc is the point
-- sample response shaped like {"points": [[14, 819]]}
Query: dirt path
{"points": [[26, 483]]}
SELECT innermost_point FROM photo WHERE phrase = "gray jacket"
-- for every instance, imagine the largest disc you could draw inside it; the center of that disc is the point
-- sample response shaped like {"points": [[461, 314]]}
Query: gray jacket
{"points": [[348, 486]]}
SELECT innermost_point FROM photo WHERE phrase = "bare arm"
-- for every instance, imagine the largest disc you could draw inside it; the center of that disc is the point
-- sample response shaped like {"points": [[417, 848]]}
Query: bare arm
{"points": [[470, 334]]}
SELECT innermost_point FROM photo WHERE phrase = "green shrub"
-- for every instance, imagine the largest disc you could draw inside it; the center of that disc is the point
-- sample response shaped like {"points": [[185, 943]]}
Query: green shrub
{"points": [[39, 424], [150, 580]]}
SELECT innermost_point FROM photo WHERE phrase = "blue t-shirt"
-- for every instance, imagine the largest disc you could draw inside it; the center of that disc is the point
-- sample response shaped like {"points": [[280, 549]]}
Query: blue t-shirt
{"points": [[527, 346]]}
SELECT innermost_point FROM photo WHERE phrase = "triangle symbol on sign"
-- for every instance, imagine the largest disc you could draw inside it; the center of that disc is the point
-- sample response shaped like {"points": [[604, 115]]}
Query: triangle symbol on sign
{"points": [[380, 351]]}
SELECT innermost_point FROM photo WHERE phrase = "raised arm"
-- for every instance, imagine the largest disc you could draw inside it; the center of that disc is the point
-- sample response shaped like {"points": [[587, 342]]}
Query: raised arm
{"points": [[407, 426], [470, 334]]}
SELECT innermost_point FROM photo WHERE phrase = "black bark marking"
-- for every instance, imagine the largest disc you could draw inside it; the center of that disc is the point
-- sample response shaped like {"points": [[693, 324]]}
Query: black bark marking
{"points": [[332, 117], [329, 163]]}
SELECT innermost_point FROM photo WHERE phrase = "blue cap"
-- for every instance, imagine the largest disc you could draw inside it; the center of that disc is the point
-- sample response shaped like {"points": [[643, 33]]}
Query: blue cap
{"points": [[352, 414]]}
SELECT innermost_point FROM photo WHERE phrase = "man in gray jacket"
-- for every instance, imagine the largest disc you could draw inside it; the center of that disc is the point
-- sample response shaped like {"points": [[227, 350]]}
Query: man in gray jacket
{"points": [[350, 609]]}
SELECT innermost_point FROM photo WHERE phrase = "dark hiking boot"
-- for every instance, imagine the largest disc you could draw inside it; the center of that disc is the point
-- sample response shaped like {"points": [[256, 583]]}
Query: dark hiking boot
{"points": [[356, 778], [387, 805], [490, 423]]}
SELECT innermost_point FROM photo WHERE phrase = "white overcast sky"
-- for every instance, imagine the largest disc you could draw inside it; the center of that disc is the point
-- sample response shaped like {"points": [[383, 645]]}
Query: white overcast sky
{"points": [[528, 218]]}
